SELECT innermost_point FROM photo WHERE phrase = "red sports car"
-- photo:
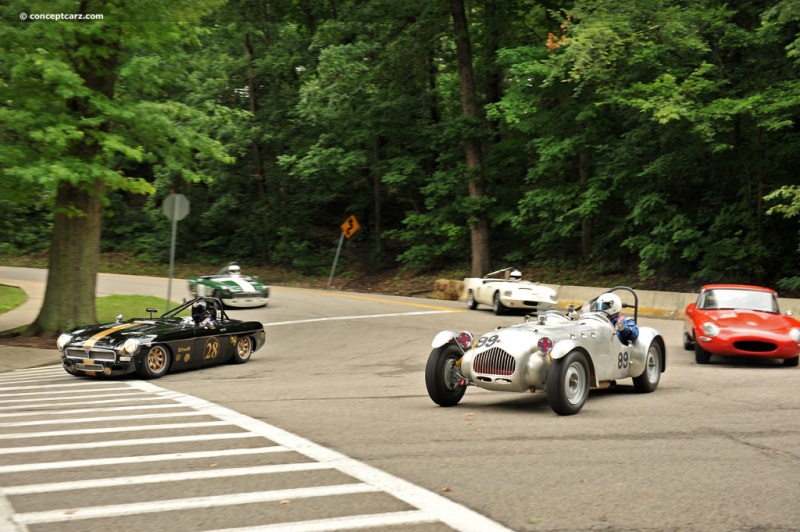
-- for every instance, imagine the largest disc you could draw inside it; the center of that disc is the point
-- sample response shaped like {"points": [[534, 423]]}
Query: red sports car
{"points": [[740, 320]]}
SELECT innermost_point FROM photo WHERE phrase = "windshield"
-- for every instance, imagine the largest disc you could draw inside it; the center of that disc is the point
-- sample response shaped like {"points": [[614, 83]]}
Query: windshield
{"points": [[729, 298]]}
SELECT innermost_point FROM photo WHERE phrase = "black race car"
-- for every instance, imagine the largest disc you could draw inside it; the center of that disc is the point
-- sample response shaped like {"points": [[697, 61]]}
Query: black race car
{"points": [[196, 334]]}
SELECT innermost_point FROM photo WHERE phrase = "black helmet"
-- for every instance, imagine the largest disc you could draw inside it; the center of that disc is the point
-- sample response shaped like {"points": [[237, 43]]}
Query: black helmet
{"points": [[199, 311]]}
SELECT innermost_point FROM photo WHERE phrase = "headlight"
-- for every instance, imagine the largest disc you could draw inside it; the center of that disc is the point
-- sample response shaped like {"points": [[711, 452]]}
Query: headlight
{"points": [[710, 329], [63, 341], [130, 347], [507, 293], [794, 334]]}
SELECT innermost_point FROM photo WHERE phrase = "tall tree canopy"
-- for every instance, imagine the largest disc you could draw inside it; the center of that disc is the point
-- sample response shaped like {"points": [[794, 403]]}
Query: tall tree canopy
{"points": [[651, 138], [84, 110]]}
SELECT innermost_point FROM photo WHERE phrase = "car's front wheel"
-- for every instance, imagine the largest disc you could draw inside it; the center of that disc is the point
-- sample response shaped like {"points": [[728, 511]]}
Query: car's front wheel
{"points": [[648, 380], [701, 356], [442, 378], [155, 363], [497, 305], [568, 383], [244, 348]]}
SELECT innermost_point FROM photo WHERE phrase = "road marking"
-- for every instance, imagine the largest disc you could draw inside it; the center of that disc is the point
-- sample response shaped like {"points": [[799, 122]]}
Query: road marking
{"points": [[369, 298], [96, 462], [443, 509], [162, 477], [343, 523], [124, 443], [364, 317], [138, 508], [425, 506]]}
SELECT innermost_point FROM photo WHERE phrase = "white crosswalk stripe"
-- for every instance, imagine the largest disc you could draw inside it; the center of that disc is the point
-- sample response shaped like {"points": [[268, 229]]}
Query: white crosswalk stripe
{"points": [[68, 446]]}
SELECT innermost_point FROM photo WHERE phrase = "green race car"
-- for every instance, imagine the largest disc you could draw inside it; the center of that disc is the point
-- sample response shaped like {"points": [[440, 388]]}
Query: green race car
{"points": [[231, 287]]}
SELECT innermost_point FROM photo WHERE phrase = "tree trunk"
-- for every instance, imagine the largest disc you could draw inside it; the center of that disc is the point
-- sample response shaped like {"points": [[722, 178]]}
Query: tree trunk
{"points": [[258, 161], [69, 299], [479, 230]]}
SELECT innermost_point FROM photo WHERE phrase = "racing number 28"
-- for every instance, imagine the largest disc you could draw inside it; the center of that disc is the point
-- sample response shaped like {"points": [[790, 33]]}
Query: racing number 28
{"points": [[486, 341]]}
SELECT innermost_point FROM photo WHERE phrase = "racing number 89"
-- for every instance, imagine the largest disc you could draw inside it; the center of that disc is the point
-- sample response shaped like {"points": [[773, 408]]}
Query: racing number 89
{"points": [[487, 341], [622, 360]]}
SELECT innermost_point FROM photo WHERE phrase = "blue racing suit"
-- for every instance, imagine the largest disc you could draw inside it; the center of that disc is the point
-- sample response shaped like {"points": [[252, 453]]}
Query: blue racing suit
{"points": [[629, 331]]}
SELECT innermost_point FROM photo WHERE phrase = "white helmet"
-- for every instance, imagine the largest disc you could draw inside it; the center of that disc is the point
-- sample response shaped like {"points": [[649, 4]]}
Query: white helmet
{"points": [[515, 275], [234, 270], [609, 303]]}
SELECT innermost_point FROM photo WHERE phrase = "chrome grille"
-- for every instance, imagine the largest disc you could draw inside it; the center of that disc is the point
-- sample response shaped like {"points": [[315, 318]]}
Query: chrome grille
{"points": [[494, 361], [107, 355]]}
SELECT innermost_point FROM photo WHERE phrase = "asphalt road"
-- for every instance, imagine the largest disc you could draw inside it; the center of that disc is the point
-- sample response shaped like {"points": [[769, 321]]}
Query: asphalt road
{"points": [[716, 447]]}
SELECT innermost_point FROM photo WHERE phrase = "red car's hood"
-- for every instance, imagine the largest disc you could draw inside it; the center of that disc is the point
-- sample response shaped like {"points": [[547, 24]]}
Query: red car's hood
{"points": [[751, 319]]}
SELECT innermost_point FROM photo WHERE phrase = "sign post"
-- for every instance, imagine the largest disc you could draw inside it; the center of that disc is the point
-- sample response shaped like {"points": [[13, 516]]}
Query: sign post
{"points": [[349, 228], [175, 207]]}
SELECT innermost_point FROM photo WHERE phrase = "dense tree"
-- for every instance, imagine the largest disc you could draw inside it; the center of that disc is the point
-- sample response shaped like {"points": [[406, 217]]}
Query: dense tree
{"points": [[73, 115], [656, 139]]}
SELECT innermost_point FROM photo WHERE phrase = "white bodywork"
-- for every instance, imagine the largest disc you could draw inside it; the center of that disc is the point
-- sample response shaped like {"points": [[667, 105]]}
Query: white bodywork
{"points": [[501, 294], [512, 359]]}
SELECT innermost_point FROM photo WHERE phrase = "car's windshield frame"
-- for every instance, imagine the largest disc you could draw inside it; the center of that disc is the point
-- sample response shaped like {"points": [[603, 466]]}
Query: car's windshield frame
{"points": [[738, 298]]}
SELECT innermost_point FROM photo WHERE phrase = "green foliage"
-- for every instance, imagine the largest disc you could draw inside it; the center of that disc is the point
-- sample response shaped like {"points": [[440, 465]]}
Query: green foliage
{"points": [[649, 136], [130, 306], [10, 298]]}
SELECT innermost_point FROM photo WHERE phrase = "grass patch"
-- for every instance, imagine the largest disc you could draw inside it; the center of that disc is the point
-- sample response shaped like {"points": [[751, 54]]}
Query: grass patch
{"points": [[109, 307], [11, 297]]}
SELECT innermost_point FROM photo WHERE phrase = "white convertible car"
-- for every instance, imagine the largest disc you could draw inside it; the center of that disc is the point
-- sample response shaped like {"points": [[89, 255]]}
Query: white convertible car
{"points": [[504, 290]]}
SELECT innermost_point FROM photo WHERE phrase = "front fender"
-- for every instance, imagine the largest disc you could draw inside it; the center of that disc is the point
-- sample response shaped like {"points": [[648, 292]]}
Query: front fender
{"points": [[564, 347], [561, 349], [444, 338]]}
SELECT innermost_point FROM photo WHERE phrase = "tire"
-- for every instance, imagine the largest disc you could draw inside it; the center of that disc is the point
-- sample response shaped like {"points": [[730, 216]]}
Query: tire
{"points": [[471, 303], [568, 383], [701, 356], [648, 381], [688, 344], [497, 305], [441, 376], [244, 348], [155, 363], [791, 362]]}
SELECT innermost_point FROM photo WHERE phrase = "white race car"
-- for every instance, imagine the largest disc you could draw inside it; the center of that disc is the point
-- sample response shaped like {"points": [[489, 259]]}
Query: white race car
{"points": [[504, 290], [563, 355]]}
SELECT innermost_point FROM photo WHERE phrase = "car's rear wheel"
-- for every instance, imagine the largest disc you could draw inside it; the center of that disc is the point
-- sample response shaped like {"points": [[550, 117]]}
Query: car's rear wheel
{"points": [[701, 356], [244, 348], [497, 305], [648, 380], [792, 362], [568, 383], [442, 378], [471, 303], [155, 363]]}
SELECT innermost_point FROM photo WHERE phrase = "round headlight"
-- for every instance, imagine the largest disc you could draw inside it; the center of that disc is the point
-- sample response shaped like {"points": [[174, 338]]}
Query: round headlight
{"points": [[130, 347], [710, 329], [63, 341], [794, 334], [507, 293]]}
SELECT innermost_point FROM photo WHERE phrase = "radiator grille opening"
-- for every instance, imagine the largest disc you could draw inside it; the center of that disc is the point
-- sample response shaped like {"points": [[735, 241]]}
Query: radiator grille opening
{"points": [[494, 361]]}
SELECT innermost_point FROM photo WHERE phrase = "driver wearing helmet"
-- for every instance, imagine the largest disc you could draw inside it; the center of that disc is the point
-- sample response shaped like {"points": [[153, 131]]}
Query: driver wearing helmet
{"points": [[202, 315], [234, 270], [611, 305], [515, 275]]}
